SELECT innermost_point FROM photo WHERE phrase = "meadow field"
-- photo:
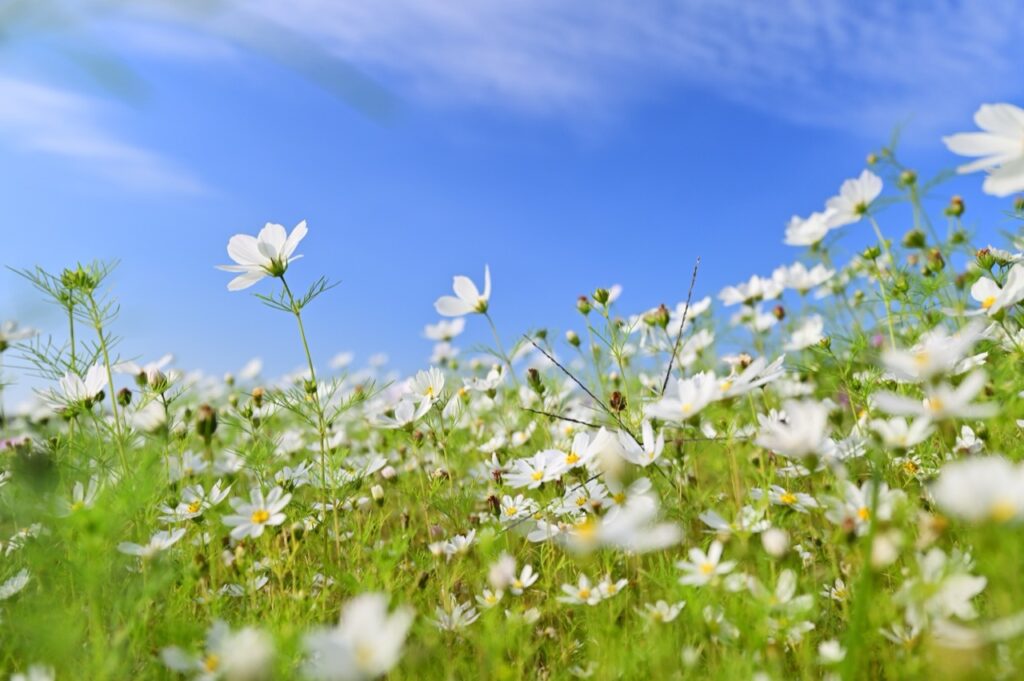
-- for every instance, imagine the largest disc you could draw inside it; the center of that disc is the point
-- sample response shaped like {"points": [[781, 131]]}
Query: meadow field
{"points": [[813, 474]]}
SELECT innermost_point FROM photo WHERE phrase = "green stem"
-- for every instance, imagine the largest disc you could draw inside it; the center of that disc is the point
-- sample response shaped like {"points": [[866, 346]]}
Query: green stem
{"points": [[881, 284], [501, 350]]}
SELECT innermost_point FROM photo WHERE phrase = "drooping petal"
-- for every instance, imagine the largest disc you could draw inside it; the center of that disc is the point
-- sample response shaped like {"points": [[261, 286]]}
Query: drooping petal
{"points": [[244, 281]]}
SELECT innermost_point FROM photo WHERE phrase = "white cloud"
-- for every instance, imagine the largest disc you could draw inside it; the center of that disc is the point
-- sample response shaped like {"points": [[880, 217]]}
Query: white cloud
{"points": [[859, 65], [61, 123]]}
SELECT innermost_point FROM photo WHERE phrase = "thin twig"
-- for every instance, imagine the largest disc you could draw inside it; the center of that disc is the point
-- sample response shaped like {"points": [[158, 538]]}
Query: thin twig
{"points": [[560, 417], [679, 335], [585, 389]]}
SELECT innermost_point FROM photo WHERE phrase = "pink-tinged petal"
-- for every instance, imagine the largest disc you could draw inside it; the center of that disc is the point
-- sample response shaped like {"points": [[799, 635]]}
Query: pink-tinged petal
{"points": [[464, 288], [272, 239], [244, 281], [244, 250], [297, 235], [449, 306]]}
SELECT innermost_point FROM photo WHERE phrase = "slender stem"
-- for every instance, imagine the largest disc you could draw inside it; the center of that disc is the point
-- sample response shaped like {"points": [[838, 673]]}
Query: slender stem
{"points": [[97, 322], [881, 284], [501, 349]]}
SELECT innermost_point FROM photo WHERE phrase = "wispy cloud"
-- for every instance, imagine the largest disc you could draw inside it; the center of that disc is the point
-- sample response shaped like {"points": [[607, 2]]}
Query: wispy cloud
{"points": [[853, 65], [61, 123]]}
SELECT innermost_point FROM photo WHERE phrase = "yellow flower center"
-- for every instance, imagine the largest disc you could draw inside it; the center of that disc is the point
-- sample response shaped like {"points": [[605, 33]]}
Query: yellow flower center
{"points": [[211, 663], [686, 407], [788, 498], [921, 358], [1002, 510], [259, 517], [725, 385], [194, 507], [863, 513], [988, 302], [77, 506], [584, 593], [619, 498], [572, 458], [707, 568], [511, 510], [935, 404], [537, 475], [910, 467]]}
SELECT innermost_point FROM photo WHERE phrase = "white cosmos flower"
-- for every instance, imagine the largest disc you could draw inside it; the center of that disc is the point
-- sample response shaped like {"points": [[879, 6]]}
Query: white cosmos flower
{"points": [[994, 297], [76, 389], [160, 541], [243, 655], [646, 454], [253, 517], [754, 289], [810, 332], [366, 644], [467, 298], [1000, 146], [941, 401], [445, 330], [265, 255], [801, 431], [936, 353], [801, 279], [702, 567], [854, 199], [980, 489], [692, 395], [11, 332], [898, 434], [808, 231]]}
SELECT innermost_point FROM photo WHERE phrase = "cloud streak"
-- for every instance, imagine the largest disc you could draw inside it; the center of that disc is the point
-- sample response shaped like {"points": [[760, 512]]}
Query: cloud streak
{"points": [[63, 124], [860, 66]]}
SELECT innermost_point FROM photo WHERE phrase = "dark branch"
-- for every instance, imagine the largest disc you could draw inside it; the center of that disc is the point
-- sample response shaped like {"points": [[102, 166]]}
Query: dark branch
{"points": [[679, 335]]}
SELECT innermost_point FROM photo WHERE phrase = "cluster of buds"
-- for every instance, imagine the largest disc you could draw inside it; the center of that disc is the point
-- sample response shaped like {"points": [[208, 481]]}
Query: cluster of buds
{"points": [[206, 423], [658, 317], [534, 381]]}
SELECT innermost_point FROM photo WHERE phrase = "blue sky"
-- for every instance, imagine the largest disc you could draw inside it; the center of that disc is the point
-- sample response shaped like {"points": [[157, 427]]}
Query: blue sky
{"points": [[569, 146]]}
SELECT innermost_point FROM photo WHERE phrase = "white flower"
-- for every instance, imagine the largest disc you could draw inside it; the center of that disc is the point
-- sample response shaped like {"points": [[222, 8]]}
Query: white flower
{"points": [[455, 615], [642, 455], [853, 511], [243, 655], [77, 390], [941, 401], [809, 231], [936, 353], [36, 672], [775, 542], [692, 395], [798, 277], [427, 385], [11, 332], [897, 434], [993, 297], [702, 567], [467, 298], [160, 541], [854, 199], [253, 517], [527, 577], [366, 644], [444, 330], [753, 290], [581, 593], [1000, 146], [799, 433], [662, 611], [980, 489], [266, 255], [807, 334], [13, 585]]}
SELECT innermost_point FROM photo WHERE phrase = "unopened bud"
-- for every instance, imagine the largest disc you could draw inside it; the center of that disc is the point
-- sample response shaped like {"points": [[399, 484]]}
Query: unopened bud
{"points": [[779, 312], [907, 178], [956, 207], [572, 338], [124, 397], [206, 422], [871, 253], [914, 239], [257, 396], [377, 492], [985, 259], [872, 159], [534, 381], [617, 401], [583, 305], [601, 296], [658, 317]]}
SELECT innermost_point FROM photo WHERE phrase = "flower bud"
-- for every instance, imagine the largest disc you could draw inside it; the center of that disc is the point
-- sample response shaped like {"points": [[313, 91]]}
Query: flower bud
{"points": [[541, 334], [907, 178], [601, 296], [124, 397], [1018, 204], [377, 492], [779, 312], [825, 342], [257, 396], [985, 259], [956, 207], [572, 338], [617, 401], [206, 422], [872, 159], [534, 381], [871, 253], [914, 239], [583, 305]]}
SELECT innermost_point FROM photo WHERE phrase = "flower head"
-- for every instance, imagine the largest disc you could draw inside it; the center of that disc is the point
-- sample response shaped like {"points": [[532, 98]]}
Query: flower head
{"points": [[265, 255], [467, 298]]}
